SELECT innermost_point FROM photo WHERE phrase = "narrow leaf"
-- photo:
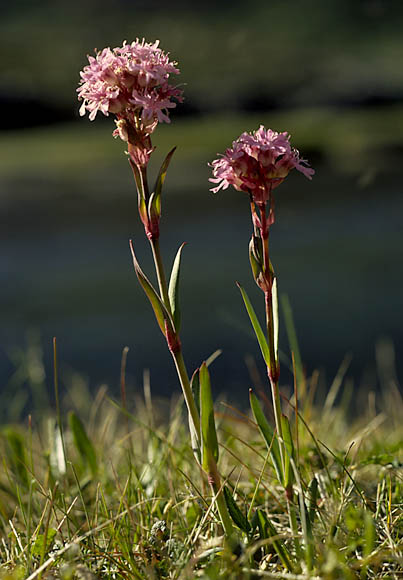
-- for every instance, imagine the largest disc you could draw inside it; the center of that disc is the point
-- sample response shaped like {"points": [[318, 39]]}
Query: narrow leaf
{"points": [[154, 212], [160, 311], [306, 523], [267, 530], [16, 446], [82, 442], [264, 347], [162, 174], [195, 386], [57, 460], [137, 178], [236, 514], [369, 534], [141, 194], [293, 342], [313, 494], [289, 451], [207, 423], [194, 436], [173, 290], [267, 433]]}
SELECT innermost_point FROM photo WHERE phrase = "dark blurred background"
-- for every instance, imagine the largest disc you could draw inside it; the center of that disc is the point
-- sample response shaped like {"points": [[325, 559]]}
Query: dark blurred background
{"points": [[329, 72]]}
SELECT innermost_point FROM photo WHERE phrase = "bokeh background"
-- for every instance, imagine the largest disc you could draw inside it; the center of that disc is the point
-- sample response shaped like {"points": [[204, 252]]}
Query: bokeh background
{"points": [[329, 72]]}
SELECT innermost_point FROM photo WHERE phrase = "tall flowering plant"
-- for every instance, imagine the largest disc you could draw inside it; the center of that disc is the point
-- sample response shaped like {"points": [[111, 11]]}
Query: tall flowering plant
{"points": [[133, 83], [257, 163]]}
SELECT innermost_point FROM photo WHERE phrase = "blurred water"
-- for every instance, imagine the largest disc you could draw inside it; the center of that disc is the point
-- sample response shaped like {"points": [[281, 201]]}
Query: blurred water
{"points": [[66, 271]]}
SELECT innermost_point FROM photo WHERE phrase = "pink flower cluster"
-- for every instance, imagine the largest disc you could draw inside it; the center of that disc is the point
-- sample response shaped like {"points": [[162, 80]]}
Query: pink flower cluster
{"points": [[131, 82], [257, 163]]}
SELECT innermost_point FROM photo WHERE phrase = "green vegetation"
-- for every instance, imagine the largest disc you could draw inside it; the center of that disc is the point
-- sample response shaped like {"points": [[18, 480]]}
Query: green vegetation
{"points": [[313, 52], [102, 489], [302, 486], [349, 140]]}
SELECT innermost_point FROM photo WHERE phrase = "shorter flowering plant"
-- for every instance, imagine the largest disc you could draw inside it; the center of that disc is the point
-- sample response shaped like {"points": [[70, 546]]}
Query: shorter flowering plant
{"points": [[257, 163]]}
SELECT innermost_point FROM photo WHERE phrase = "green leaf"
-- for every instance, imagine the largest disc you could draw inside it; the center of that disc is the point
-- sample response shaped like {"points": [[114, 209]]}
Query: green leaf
{"points": [[293, 340], [264, 347], [173, 290], [82, 442], [195, 386], [38, 547], [313, 494], [267, 433], [194, 436], [236, 514], [289, 451], [207, 423], [306, 524], [142, 205], [161, 176], [369, 534], [161, 313], [154, 212], [267, 530], [16, 446], [137, 178]]}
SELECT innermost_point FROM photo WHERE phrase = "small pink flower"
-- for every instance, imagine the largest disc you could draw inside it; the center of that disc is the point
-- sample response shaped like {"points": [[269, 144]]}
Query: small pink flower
{"points": [[131, 82], [257, 163]]}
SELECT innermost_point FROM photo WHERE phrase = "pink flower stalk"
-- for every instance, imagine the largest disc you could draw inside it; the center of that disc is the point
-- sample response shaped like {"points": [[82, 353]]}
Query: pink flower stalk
{"points": [[131, 82], [257, 163]]}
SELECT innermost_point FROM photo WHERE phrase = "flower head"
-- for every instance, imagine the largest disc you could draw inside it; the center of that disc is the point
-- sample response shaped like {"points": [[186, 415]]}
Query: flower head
{"points": [[257, 163], [131, 82]]}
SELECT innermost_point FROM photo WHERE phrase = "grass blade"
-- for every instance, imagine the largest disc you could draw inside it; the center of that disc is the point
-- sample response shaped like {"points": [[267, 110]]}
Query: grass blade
{"points": [[17, 456], [194, 436], [236, 514], [82, 442], [267, 434], [267, 530], [207, 423], [293, 342], [290, 451]]}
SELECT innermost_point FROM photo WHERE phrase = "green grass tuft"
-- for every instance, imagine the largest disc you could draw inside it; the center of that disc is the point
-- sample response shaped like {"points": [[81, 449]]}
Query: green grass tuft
{"points": [[127, 499]]}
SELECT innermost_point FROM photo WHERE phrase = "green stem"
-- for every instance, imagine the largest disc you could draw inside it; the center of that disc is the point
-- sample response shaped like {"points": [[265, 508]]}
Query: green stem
{"points": [[213, 476], [187, 391], [277, 417], [177, 355], [272, 370]]}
